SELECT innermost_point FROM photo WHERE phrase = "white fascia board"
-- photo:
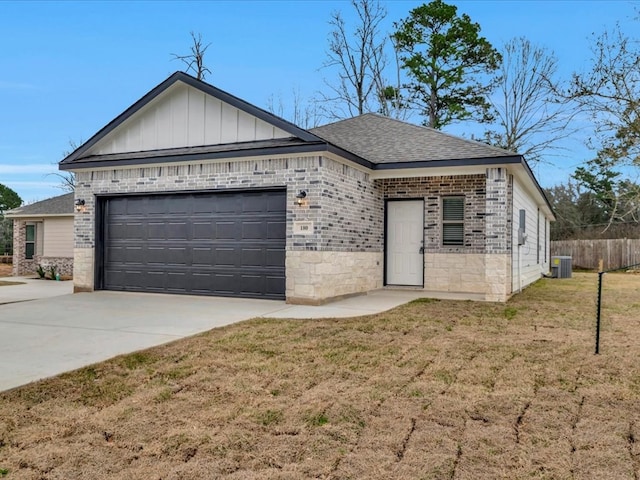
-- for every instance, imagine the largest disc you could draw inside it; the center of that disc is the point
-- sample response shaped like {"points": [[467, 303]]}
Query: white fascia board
{"points": [[429, 172]]}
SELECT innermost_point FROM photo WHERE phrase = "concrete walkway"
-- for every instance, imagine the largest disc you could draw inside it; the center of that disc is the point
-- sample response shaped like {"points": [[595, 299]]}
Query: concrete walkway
{"points": [[45, 337], [32, 289]]}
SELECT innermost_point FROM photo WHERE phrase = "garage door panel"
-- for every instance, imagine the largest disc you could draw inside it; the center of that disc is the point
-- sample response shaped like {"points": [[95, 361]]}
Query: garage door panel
{"points": [[252, 284], [203, 230], [274, 257], [135, 205], [156, 230], [177, 230], [226, 204], [176, 282], [253, 204], [178, 256], [223, 283], [230, 244], [201, 282], [179, 205], [130, 230], [276, 230], [253, 230], [117, 254], [155, 280], [252, 257], [226, 230], [157, 207], [126, 255], [202, 256], [224, 257], [274, 285], [116, 230], [276, 204]]}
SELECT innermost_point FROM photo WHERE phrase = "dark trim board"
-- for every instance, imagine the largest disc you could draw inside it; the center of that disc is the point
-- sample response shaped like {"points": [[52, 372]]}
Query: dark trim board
{"points": [[216, 243]]}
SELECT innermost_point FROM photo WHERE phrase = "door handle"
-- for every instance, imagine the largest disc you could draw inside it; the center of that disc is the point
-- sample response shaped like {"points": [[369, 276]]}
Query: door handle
{"points": [[421, 251]]}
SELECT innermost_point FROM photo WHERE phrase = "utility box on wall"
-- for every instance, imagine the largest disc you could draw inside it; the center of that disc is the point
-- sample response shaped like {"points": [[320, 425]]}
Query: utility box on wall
{"points": [[561, 267]]}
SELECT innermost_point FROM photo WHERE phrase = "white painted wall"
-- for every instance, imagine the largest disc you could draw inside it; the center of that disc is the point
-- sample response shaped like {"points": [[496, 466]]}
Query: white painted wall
{"points": [[57, 238], [528, 260], [184, 116]]}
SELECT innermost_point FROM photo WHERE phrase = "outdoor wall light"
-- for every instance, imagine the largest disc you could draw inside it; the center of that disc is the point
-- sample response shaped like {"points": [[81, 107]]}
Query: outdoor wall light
{"points": [[79, 203], [300, 197]]}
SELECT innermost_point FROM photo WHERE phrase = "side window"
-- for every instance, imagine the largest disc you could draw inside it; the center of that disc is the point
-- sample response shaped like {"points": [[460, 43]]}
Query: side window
{"points": [[30, 241], [453, 221]]}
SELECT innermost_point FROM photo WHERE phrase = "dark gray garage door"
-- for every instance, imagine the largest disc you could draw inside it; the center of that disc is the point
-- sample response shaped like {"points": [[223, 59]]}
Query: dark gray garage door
{"points": [[228, 244]]}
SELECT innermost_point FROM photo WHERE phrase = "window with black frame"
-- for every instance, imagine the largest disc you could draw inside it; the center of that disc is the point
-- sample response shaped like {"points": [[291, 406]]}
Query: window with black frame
{"points": [[453, 221], [30, 241]]}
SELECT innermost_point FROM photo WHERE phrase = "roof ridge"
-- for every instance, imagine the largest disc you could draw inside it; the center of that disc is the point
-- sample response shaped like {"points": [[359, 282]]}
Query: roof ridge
{"points": [[424, 127]]}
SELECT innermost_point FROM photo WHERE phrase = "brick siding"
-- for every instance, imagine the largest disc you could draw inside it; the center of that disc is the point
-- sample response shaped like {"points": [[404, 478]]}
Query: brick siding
{"points": [[341, 200], [21, 265], [432, 189]]}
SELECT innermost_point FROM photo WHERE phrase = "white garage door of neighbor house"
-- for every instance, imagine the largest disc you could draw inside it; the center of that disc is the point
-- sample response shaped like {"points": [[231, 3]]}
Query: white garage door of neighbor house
{"points": [[405, 242]]}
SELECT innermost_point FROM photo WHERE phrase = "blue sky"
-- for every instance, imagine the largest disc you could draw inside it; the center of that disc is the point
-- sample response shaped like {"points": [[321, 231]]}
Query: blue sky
{"points": [[68, 68]]}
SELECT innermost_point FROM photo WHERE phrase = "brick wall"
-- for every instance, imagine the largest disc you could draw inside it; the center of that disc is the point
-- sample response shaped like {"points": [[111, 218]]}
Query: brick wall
{"points": [[21, 266], [341, 201], [351, 210], [498, 211], [432, 189], [64, 265]]}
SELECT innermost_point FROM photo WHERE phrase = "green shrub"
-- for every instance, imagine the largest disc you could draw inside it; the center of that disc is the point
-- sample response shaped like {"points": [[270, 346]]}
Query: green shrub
{"points": [[40, 271], [53, 272]]}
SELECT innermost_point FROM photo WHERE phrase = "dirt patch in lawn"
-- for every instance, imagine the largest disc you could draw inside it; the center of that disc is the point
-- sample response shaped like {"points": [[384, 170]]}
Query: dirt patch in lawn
{"points": [[6, 269], [432, 389]]}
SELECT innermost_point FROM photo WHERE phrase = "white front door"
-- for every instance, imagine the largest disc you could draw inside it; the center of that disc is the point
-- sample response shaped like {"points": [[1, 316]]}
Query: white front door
{"points": [[405, 237]]}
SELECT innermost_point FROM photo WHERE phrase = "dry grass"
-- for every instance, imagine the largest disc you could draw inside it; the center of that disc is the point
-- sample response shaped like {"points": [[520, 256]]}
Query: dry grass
{"points": [[430, 390], [5, 269]]}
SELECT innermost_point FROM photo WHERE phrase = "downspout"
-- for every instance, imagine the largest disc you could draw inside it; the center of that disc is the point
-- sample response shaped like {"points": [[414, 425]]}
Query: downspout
{"points": [[519, 267]]}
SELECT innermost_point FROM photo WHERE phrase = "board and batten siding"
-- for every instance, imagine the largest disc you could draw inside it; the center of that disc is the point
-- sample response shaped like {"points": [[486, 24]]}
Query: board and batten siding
{"points": [[185, 117], [57, 237], [529, 261]]}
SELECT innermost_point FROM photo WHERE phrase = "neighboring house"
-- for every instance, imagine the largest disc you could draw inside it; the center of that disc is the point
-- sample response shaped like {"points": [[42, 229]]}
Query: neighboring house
{"points": [[43, 235], [192, 190]]}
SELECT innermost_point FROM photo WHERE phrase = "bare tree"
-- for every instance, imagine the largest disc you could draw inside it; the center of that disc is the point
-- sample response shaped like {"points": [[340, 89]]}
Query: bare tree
{"points": [[195, 60], [302, 113], [610, 92], [531, 117], [360, 60], [67, 180]]}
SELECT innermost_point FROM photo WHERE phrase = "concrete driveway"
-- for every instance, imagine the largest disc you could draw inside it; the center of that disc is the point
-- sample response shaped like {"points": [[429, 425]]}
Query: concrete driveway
{"points": [[48, 336]]}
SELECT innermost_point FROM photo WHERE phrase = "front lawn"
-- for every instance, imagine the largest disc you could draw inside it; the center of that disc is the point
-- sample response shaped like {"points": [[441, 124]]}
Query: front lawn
{"points": [[429, 390]]}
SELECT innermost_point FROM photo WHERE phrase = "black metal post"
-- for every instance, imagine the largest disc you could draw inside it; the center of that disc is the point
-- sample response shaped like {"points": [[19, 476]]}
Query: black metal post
{"points": [[600, 275]]}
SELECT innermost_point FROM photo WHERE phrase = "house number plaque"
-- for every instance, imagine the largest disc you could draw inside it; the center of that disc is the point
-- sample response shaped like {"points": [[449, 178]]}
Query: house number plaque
{"points": [[303, 228]]}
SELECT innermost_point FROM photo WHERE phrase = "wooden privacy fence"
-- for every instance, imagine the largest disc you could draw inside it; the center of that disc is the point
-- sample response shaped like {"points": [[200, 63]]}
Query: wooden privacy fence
{"points": [[617, 253]]}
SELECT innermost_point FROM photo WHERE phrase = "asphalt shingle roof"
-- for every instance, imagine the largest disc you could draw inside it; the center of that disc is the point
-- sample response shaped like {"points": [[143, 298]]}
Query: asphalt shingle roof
{"points": [[381, 140], [61, 205]]}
